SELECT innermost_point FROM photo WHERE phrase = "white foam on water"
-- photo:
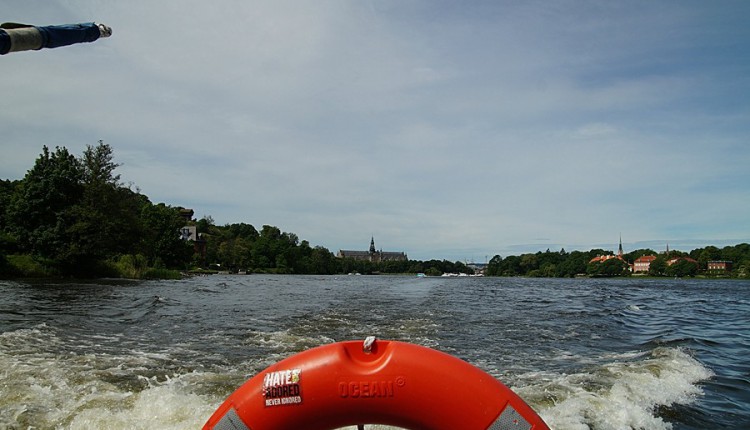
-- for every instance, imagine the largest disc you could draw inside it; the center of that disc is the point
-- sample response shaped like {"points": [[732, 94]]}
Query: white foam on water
{"points": [[621, 394], [47, 384], [167, 405], [285, 341], [43, 387]]}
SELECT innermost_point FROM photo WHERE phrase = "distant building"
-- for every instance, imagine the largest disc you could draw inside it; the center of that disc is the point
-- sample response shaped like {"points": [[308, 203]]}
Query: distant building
{"points": [[190, 233], [642, 264], [478, 268], [672, 261], [372, 255], [603, 258], [720, 266], [187, 214]]}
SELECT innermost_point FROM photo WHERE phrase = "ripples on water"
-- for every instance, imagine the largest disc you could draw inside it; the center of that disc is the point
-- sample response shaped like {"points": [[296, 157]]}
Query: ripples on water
{"points": [[598, 354]]}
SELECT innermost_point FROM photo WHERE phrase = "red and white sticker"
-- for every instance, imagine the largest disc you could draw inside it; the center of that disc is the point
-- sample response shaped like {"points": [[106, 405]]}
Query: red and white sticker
{"points": [[282, 387]]}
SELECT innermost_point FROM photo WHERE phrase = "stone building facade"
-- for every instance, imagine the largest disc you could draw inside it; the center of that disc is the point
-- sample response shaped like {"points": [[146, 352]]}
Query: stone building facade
{"points": [[372, 255]]}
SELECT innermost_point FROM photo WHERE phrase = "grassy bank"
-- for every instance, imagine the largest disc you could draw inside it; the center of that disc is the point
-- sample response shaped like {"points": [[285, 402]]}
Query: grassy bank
{"points": [[126, 267]]}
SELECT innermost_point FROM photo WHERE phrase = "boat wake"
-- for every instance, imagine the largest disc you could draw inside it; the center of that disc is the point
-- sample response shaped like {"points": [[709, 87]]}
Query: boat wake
{"points": [[635, 390]]}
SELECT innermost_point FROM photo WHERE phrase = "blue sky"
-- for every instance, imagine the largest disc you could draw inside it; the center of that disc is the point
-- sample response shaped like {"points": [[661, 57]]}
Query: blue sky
{"points": [[449, 130]]}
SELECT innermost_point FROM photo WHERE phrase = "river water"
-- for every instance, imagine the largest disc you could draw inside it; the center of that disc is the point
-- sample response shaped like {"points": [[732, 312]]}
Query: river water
{"points": [[584, 353]]}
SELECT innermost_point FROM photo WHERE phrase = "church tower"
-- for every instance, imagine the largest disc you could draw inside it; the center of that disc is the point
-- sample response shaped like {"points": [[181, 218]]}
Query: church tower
{"points": [[619, 250], [372, 245]]}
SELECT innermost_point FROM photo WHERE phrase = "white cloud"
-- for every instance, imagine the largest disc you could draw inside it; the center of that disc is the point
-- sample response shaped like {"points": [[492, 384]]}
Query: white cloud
{"points": [[443, 129]]}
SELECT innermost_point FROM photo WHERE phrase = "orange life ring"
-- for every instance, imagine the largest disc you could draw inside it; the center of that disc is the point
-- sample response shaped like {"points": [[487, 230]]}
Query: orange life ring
{"points": [[378, 382]]}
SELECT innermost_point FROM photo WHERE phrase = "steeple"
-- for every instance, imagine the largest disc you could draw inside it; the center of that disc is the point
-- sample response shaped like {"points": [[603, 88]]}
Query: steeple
{"points": [[619, 250], [372, 245]]}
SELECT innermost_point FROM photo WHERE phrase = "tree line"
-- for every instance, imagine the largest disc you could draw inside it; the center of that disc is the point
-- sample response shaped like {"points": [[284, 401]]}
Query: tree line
{"points": [[73, 216], [564, 264], [240, 247]]}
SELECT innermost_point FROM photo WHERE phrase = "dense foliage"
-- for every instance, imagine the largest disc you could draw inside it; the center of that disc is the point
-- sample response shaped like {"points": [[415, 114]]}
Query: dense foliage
{"points": [[240, 247], [577, 263], [72, 216], [75, 218]]}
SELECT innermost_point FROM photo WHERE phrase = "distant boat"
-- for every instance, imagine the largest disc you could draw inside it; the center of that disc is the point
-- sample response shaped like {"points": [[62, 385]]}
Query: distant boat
{"points": [[459, 275], [421, 275]]}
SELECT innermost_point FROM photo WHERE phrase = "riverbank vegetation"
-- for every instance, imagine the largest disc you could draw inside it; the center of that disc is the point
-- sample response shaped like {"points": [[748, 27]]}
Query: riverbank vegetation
{"points": [[73, 217], [673, 263]]}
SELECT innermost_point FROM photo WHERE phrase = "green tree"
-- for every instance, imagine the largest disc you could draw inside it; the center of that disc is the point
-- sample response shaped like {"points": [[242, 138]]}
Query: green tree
{"points": [[105, 221], [608, 268], [205, 224], [682, 268], [7, 188], [161, 241], [743, 269], [634, 255], [494, 266], [8, 242], [658, 267], [529, 262], [547, 270], [39, 214], [574, 264], [511, 266], [265, 248], [704, 255]]}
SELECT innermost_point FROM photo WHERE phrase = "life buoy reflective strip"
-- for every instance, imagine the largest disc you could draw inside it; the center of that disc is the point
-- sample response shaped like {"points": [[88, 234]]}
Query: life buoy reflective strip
{"points": [[391, 383]]}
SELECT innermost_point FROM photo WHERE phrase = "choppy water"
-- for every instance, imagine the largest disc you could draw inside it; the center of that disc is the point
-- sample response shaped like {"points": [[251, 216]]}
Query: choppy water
{"points": [[586, 354]]}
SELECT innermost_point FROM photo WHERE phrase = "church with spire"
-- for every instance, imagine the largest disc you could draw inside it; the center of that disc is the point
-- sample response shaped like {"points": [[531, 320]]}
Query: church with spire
{"points": [[373, 254], [603, 258]]}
